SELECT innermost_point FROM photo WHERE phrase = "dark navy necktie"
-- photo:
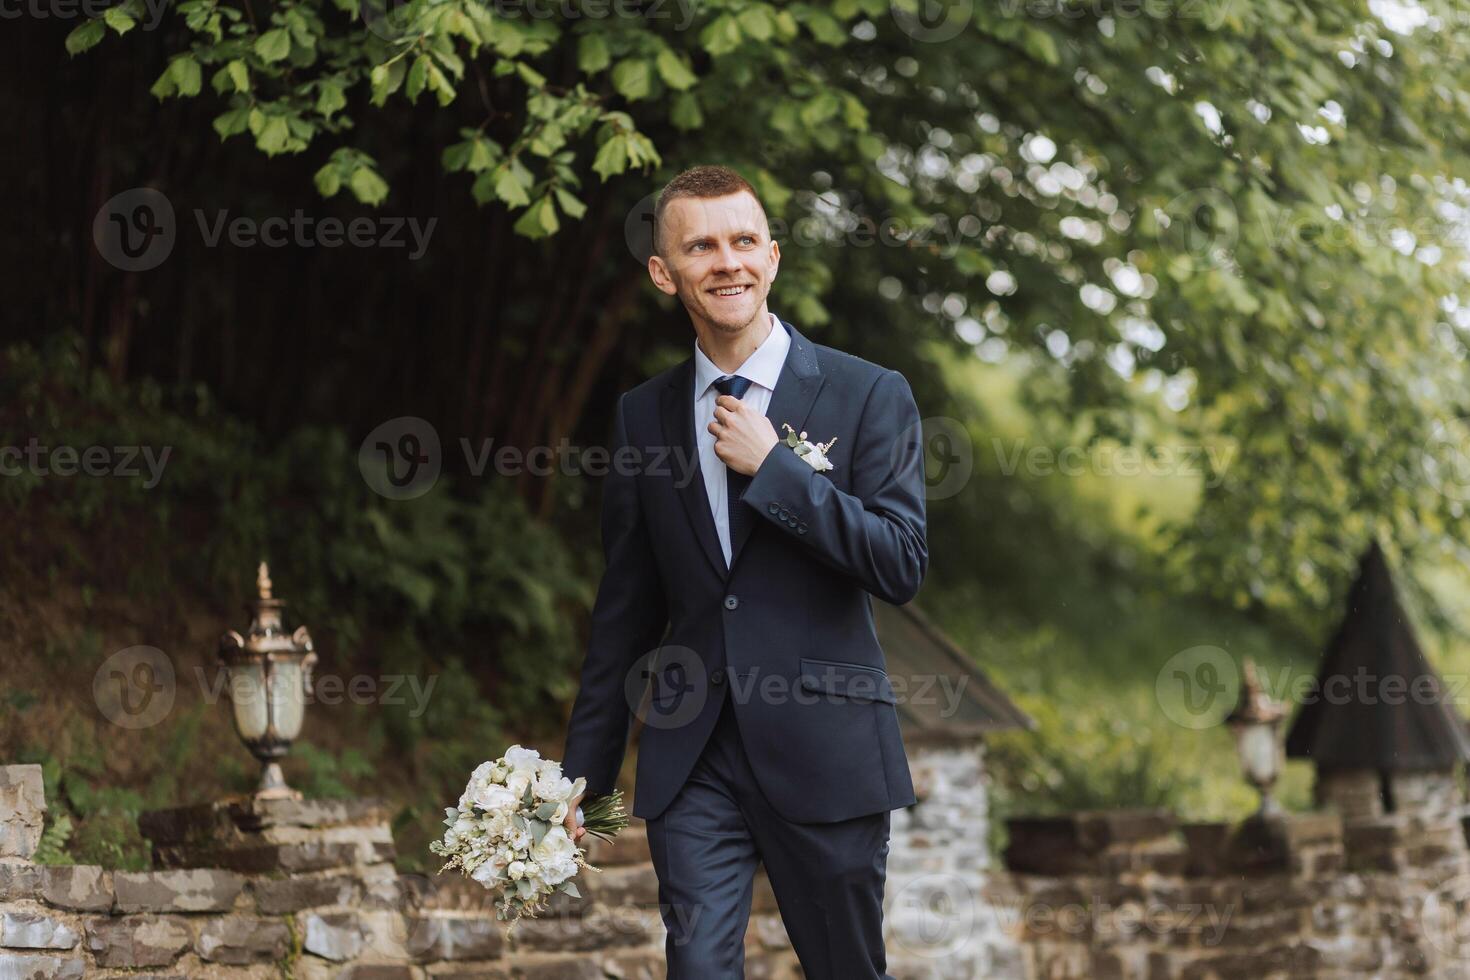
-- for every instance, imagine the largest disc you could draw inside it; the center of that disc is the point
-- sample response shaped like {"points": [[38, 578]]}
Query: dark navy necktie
{"points": [[735, 483]]}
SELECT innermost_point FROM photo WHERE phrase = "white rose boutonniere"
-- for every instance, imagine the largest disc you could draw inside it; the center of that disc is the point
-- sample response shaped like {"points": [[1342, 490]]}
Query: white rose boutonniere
{"points": [[814, 453]]}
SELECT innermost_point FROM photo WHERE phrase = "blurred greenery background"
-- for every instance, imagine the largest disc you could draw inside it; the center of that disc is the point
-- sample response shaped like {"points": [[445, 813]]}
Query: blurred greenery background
{"points": [[1226, 236]]}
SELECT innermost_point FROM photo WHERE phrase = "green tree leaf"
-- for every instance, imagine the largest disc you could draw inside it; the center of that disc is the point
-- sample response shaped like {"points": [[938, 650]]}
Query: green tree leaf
{"points": [[674, 72], [592, 53], [632, 79], [367, 186], [119, 19], [85, 36], [273, 45]]}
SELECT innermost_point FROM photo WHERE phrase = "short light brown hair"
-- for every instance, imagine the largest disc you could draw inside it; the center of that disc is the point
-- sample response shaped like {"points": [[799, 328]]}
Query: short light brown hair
{"points": [[704, 181]]}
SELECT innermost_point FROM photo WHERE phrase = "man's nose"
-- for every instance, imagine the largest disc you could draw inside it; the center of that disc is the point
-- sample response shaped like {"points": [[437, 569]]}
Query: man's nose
{"points": [[727, 259]]}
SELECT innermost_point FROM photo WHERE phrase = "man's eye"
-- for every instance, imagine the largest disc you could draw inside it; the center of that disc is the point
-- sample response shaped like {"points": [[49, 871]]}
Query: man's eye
{"points": [[747, 238]]}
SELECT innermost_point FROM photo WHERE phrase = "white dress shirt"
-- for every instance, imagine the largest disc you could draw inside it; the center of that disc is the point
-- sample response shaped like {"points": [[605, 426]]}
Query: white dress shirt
{"points": [[763, 368]]}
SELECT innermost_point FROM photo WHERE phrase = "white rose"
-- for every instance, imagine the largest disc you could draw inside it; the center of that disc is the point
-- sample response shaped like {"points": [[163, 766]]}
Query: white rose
{"points": [[463, 827], [553, 786], [489, 873], [493, 797], [518, 782], [815, 458], [518, 758], [516, 870], [496, 823], [555, 855]]}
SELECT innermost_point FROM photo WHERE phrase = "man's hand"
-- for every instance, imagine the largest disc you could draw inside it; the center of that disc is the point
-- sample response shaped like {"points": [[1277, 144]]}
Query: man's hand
{"points": [[743, 436], [570, 823]]}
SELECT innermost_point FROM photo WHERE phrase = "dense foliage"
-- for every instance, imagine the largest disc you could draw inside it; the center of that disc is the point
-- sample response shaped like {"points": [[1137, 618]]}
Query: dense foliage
{"points": [[1248, 209]]}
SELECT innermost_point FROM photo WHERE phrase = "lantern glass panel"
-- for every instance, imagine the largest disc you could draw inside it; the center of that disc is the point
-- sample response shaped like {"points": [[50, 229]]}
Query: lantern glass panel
{"points": [[247, 690], [1258, 753], [287, 698]]}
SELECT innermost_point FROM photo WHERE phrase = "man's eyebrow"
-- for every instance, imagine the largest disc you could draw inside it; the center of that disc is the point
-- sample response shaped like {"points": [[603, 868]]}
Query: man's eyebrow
{"points": [[695, 240]]}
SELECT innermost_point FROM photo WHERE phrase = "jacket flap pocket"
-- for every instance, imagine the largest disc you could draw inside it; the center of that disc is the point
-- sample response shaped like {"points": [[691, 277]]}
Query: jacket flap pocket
{"points": [[856, 681]]}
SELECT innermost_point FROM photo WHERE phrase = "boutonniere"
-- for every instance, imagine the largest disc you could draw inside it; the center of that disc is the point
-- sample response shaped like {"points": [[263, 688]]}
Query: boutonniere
{"points": [[814, 453]]}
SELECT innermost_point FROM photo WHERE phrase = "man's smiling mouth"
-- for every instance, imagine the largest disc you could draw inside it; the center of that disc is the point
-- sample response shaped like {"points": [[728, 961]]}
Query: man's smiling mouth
{"points": [[730, 290]]}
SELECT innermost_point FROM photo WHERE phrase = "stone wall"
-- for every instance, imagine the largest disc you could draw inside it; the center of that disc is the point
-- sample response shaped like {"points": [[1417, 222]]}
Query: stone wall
{"points": [[1134, 896], [307, 890], [938, 924], [250, 889]]}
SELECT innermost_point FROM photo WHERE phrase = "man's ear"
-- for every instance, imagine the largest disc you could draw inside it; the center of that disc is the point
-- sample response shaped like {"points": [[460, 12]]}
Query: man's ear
{"points": [[775, 259], [658, 271]]}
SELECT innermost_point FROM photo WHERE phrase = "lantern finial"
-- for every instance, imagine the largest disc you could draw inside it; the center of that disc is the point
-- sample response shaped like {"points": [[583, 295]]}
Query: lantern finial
{"points": [[263, 581]]}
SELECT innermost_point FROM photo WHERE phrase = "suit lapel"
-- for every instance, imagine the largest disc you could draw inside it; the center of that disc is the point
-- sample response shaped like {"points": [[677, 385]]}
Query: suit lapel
{"points": [[797, 388], [677, 409]]}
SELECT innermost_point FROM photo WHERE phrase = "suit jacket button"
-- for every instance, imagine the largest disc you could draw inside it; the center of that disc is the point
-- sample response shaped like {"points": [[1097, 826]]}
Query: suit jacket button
{"points": [[785, 514], [801, 528], [773, 507], [731, 602], [718, 677]]}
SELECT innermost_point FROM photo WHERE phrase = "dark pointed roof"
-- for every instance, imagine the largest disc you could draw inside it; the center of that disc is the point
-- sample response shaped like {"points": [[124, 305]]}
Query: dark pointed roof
{"points": [[946, 697], [1359, 720]]}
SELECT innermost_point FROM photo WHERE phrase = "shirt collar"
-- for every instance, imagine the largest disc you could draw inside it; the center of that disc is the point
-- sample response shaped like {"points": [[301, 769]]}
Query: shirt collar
{"points": [[762, 367]]}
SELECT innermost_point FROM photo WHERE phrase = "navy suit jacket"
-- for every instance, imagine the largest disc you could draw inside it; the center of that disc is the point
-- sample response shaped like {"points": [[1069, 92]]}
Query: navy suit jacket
{"points": [[788, 627]]}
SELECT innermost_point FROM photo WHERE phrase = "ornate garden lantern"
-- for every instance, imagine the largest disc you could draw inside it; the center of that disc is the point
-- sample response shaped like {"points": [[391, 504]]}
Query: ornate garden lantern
{"points": [[269, 681], [1254, 722]]}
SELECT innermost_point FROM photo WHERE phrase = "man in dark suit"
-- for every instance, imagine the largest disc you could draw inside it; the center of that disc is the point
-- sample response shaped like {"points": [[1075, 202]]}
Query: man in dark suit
{"points": [[771, 734]]}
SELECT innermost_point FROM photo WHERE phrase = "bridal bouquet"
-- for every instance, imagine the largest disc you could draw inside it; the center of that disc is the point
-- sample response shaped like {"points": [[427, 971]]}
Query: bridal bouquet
{"points": [[507, 831]]}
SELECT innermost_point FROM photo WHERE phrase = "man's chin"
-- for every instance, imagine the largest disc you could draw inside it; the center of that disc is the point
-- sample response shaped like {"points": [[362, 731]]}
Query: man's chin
{"points": [[725, 323]]}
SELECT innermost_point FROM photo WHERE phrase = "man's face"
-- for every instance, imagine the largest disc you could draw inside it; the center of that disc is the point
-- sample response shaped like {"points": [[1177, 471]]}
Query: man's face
{"points": [[718, 258]]}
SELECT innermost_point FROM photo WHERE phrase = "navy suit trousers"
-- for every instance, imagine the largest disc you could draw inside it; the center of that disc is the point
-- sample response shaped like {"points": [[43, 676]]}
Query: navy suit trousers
{"points": [[827, 877]]}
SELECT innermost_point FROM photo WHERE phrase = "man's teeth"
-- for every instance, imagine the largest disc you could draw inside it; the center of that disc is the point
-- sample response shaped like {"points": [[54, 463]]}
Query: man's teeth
{"points": [[730, 291]]}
